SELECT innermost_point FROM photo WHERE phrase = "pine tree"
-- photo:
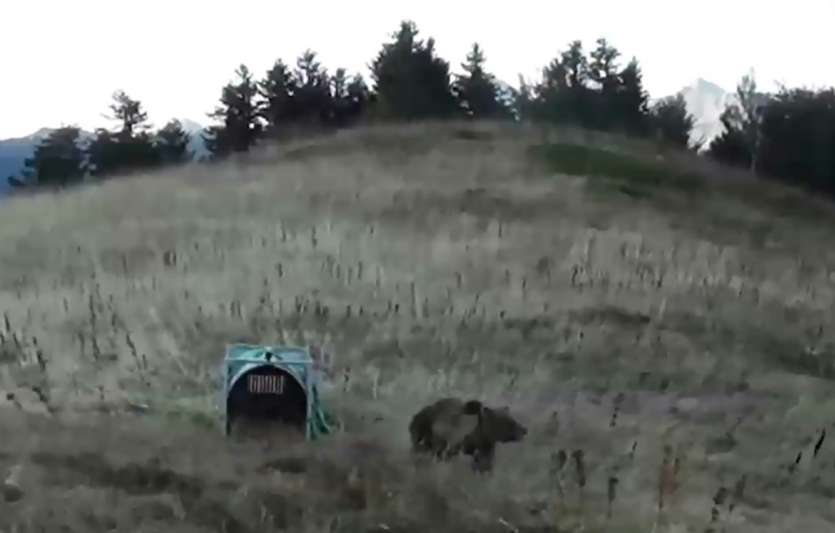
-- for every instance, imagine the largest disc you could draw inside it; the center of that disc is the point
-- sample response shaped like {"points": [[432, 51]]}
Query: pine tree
{"points": [[731, 146], [631, 101], [508, 97], [104, 155], [750, 105], [576, 66], [671, 121], [358, 90], [312, 96], [278, 91], [603, 74], [410, 80], [477, 90], [130, 147], [525, 104], [129, 113], [58, 160], [738, 144], [239, 112], [797, 138], [563, 95], [551, 101], [172, 144], [603, 67], [349, 99]]}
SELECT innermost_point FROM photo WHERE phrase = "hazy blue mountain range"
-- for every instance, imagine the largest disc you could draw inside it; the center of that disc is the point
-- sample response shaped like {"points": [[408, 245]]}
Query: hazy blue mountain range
{"points": [[14, 151]]}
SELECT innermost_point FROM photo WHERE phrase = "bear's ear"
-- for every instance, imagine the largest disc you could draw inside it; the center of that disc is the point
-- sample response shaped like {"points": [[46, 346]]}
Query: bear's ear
{"points": [[473, 407]]}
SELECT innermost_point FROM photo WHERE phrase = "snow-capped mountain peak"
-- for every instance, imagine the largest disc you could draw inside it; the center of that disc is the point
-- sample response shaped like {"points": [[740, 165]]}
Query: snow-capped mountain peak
{"points": [[706, 101]]}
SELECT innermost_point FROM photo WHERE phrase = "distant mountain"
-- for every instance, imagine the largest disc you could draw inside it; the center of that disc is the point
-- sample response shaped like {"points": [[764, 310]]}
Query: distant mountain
{"points": [[196, 144], [706, 101], [195, 131], [14, 151]]}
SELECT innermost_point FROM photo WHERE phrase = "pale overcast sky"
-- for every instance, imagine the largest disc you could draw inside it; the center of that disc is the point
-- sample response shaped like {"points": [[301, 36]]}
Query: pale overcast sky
{"points": [[62, 59]]}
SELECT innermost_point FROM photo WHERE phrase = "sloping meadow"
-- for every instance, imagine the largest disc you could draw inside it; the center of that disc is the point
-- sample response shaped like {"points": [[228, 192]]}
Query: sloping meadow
{"points": [[663, 333]]}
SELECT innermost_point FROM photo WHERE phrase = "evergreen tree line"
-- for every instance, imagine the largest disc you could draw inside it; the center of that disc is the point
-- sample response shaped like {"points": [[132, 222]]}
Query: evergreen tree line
{"points": [[63, 158], [789, 135], [285, 102]]}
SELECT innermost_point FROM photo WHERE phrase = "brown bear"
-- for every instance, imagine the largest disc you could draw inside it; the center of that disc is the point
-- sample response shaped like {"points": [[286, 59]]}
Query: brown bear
{"points": [[451, 426], [446, 421]]}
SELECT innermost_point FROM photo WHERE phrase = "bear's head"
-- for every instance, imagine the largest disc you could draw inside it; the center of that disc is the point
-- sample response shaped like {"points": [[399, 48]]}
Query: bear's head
{"points": [[473, 407], [501, 426]]}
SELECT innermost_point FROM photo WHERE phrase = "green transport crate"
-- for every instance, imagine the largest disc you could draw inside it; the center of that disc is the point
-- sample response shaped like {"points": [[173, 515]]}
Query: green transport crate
{"points": [[273, 385]]}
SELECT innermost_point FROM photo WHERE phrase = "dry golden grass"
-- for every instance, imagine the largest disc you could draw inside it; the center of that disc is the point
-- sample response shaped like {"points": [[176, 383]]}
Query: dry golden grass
{"points": [[670, 353]]}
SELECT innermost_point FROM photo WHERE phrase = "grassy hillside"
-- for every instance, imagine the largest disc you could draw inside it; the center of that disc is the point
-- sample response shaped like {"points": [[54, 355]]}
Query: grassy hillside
{"points": [[669, 319]]}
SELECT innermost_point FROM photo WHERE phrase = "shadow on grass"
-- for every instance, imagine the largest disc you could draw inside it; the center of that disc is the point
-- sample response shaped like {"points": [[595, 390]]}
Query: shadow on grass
{"points": [[723, 211], [614, 172]]}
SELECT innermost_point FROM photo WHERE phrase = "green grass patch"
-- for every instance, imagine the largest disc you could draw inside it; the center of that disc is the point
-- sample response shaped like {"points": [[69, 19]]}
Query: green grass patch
{"points": [[612, 171], [472, 135]]}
